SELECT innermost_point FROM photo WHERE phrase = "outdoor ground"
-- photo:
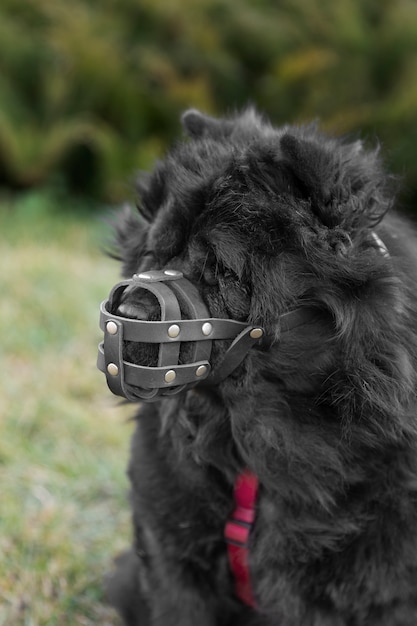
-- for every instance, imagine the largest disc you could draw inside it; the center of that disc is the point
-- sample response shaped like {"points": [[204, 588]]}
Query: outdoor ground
{"points": [[63, 438]]}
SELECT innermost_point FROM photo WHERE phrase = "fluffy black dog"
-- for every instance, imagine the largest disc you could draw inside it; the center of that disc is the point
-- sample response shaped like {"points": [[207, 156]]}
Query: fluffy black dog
{"points": [[264, 221]]}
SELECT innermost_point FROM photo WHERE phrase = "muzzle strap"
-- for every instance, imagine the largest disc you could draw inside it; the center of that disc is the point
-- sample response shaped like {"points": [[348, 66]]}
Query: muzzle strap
{"points": [[157, 332], [234, 355], [110, 361]]}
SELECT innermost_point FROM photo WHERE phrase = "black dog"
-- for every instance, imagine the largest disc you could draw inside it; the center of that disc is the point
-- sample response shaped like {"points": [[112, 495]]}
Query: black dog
{"points": [[320, 411]]}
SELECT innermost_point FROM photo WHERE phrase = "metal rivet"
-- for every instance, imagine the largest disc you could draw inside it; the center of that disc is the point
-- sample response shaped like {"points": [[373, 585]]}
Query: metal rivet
{"points": [[256, 333], [173, 331], [111, 328], [112, 369], [172, 273], [170, 376], [206, 329], [200, 371], [143, 276]]}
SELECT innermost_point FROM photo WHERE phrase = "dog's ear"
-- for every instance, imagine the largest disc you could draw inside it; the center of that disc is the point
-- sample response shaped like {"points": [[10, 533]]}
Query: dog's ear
{"points": [[198, 125], [311, 165], [346, 185]]}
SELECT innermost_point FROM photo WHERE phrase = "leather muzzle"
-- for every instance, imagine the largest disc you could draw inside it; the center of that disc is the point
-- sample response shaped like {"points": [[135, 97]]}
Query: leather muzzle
{"points": [[175, 295]]}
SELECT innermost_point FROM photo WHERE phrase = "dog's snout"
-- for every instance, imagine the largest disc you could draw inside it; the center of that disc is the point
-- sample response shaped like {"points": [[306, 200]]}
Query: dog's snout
{"points": [[138, 304], [132, 311]]}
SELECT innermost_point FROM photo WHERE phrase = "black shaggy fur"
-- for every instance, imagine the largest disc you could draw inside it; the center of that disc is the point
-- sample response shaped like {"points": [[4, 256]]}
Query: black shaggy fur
{"points": [[263, 221]]}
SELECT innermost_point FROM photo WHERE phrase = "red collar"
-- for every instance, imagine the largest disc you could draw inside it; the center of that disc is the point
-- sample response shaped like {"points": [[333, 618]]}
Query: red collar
{"points": [[237, 532]]}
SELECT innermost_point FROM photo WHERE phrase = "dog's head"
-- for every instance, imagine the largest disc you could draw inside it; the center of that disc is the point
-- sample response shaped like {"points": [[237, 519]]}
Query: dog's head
{"points": [[252, 223]]}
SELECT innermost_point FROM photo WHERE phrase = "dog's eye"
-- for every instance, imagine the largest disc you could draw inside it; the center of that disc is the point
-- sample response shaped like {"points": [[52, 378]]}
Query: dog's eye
{"points": [[210, 274], [205, 264]]}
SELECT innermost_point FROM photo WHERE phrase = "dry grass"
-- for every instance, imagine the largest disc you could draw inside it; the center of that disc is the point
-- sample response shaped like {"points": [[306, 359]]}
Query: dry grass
{"points": [[63, 439]]}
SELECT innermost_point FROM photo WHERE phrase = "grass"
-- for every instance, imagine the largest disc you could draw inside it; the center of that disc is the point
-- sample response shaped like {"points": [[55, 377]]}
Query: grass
{"points": [[63, 437]]}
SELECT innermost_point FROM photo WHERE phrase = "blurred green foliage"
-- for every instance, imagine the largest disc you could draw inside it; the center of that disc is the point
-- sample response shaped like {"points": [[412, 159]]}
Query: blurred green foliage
{"points": [[91, 90]]}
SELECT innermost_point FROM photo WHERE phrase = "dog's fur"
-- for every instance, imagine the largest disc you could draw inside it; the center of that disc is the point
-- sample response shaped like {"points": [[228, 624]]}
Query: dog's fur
{"points": [[264, 221]]}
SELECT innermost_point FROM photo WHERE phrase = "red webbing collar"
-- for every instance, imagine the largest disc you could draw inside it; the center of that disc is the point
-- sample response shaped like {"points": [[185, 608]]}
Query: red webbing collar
{"points": [[237, 532]]}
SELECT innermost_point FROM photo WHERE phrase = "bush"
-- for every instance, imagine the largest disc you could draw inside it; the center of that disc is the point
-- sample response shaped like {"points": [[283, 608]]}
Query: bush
{"points": [[91, 90]]}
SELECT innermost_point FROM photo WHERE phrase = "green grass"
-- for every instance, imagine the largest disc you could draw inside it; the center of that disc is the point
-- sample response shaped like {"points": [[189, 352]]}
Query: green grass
{"points": [[64, 439]]}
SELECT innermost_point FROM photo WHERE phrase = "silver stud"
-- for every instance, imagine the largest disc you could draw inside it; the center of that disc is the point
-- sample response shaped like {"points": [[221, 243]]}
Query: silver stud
{"points": [[256, 333], [143, 276], [112, 369], [111, 328], [201, 370], [173, 273], [173, 331], [170, 376], [206, 329]]}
